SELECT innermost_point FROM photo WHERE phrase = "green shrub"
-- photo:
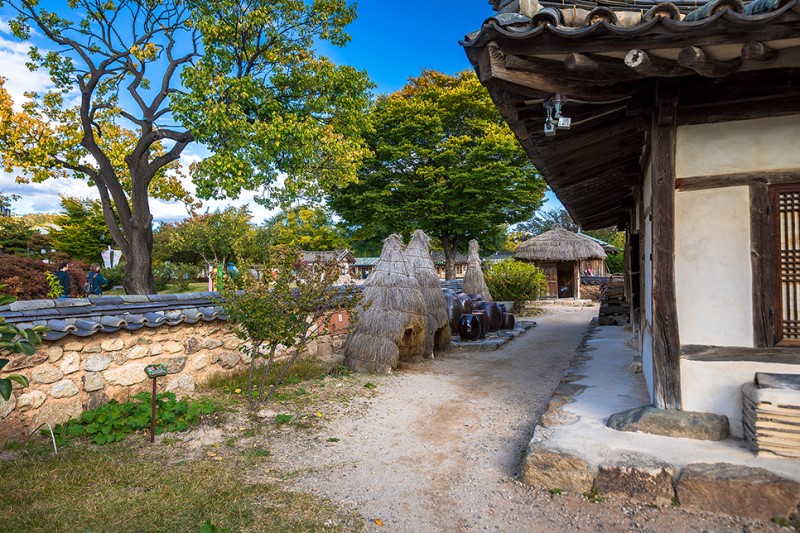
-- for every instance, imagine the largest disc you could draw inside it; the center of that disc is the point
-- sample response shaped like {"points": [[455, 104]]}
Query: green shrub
{"points": [[178, 274], [113, 421], [114, 275], [512, 280]]}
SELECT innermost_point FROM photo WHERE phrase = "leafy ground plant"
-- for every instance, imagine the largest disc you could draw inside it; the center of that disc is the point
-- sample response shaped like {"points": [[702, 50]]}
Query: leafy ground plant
{"points": [[13, 341], [114, 421]]}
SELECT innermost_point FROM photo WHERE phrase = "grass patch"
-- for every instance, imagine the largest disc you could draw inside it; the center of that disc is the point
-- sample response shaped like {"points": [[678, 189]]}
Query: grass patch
{"points": [[115, 488], [201, 286], [304, 369]]}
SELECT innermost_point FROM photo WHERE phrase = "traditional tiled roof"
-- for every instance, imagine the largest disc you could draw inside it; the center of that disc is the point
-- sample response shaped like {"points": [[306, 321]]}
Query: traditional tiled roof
{"points": [[366, 261], [497, 257], [337, 255], [86, 316], [438, 258], [628, 19]]}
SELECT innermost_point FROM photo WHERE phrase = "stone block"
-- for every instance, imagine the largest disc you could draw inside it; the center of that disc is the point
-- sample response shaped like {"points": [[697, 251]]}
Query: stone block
{"points": [[174, 364], [137, 352], [92, 348], [231, 342], [93, 382], [54, 353], [637, 478], [96, 399], [118, 357], [210, 344], [64, 389], [172, 347], [156, 348], [31, 400], [113, 344], [686, 424], [127, 374], [182, 383], [71, 363], [555, 469], [73, 346], [199, 361], [229, 359], [191, 344], [6, 406], [46, 374], [57, 412], [97, 363], [143, 340], [737, 490]]}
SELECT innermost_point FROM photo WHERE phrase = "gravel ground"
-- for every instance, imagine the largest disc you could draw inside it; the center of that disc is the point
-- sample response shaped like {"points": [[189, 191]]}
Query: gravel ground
{"points": [[437, 446]]}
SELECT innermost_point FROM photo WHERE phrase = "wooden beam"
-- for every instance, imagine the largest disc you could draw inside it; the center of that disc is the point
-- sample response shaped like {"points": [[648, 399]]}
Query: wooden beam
{"points": [[724, 111], [757, 51], [492, 68], [592, 65], [761, 266], [738, 179], [776, 354], [666, 337], [695, 58], [642, 63]]}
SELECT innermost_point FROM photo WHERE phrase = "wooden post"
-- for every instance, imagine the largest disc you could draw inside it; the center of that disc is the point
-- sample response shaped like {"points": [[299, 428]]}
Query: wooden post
{"points": [[761, 263], [576, 275], [666, 338]]}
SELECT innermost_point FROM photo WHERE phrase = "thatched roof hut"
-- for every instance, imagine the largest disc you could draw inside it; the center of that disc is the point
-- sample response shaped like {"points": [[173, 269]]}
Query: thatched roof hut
{"points": [[391, 325], [559, 245], [560, 253], [473, 279], [437, 326]]}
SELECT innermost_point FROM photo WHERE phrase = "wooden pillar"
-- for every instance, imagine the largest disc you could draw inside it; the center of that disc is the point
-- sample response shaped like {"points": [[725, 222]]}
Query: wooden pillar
{"points": [[666, 338], [760, 251], [576, 276]]}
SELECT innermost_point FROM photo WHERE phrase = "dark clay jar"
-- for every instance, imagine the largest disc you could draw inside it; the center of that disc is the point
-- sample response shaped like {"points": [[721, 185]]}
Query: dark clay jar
{"points": [[493, 312], [466, 303], [484, 320], [470, 328], [454, 311], [508, 321]]}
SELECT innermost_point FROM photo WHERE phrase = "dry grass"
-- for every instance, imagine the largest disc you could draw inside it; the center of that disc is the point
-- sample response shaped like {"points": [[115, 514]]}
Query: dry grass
{"points": [[117, 488]]}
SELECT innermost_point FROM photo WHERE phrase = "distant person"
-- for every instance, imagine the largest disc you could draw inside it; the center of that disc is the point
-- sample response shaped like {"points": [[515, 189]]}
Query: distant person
{"points": [[63, 279], [94, 281]]}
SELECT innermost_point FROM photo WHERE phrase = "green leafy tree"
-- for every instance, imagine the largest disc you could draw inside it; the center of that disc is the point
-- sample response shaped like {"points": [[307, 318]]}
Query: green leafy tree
{"points": [[443, 161], [307, 228], [82, 232], [287, 308], [546, 220], [241, 78], [516, 281], [219, 238]]}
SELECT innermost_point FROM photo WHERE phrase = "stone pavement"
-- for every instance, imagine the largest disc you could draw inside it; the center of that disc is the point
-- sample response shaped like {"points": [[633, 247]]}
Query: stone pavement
{"points": [[572, 449]]}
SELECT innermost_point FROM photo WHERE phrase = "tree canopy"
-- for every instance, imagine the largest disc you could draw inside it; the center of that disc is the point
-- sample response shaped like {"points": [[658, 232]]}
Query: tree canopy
{"points": [[443, 161], [136, 82], [307, 228], [82, 231]]}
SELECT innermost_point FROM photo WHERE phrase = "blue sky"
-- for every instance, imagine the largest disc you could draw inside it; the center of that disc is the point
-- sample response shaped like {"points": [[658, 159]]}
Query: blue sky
{"points": [[391, 41]]}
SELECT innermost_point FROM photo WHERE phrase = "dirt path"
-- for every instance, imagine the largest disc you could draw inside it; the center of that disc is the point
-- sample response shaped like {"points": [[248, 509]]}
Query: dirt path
{"points": [[437, 446]]}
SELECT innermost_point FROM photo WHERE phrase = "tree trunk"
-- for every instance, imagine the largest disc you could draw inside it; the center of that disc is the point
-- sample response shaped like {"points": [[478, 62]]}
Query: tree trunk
{"points": [[138, 262], [449, 246]]}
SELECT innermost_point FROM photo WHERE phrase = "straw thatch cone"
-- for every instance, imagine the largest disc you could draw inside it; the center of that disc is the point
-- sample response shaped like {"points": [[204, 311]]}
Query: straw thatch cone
{"points": [[391, 325], [437, 325], [473, 278]]}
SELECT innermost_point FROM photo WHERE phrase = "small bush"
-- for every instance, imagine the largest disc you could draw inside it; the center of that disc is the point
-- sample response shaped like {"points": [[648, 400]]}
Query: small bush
{"points": [[177, 274], [517, 281], [114, 275], [25, 277]]}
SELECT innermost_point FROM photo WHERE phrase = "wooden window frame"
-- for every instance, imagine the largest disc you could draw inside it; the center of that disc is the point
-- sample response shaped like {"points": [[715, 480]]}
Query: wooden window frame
{"points": [[775, 263]]}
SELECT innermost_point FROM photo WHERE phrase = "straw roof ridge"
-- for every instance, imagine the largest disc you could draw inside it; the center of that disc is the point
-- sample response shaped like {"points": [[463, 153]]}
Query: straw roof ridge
{"points": [[559, 244], [474, 283]]}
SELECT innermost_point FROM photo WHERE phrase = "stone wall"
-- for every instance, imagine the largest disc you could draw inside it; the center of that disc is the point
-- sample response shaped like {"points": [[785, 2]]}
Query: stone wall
{"points": [[74, 374]]}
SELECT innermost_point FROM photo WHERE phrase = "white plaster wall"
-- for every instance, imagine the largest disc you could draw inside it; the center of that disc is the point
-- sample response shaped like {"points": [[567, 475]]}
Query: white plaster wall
{"points": [[739, 146], [712, 267], [716, 387]]}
